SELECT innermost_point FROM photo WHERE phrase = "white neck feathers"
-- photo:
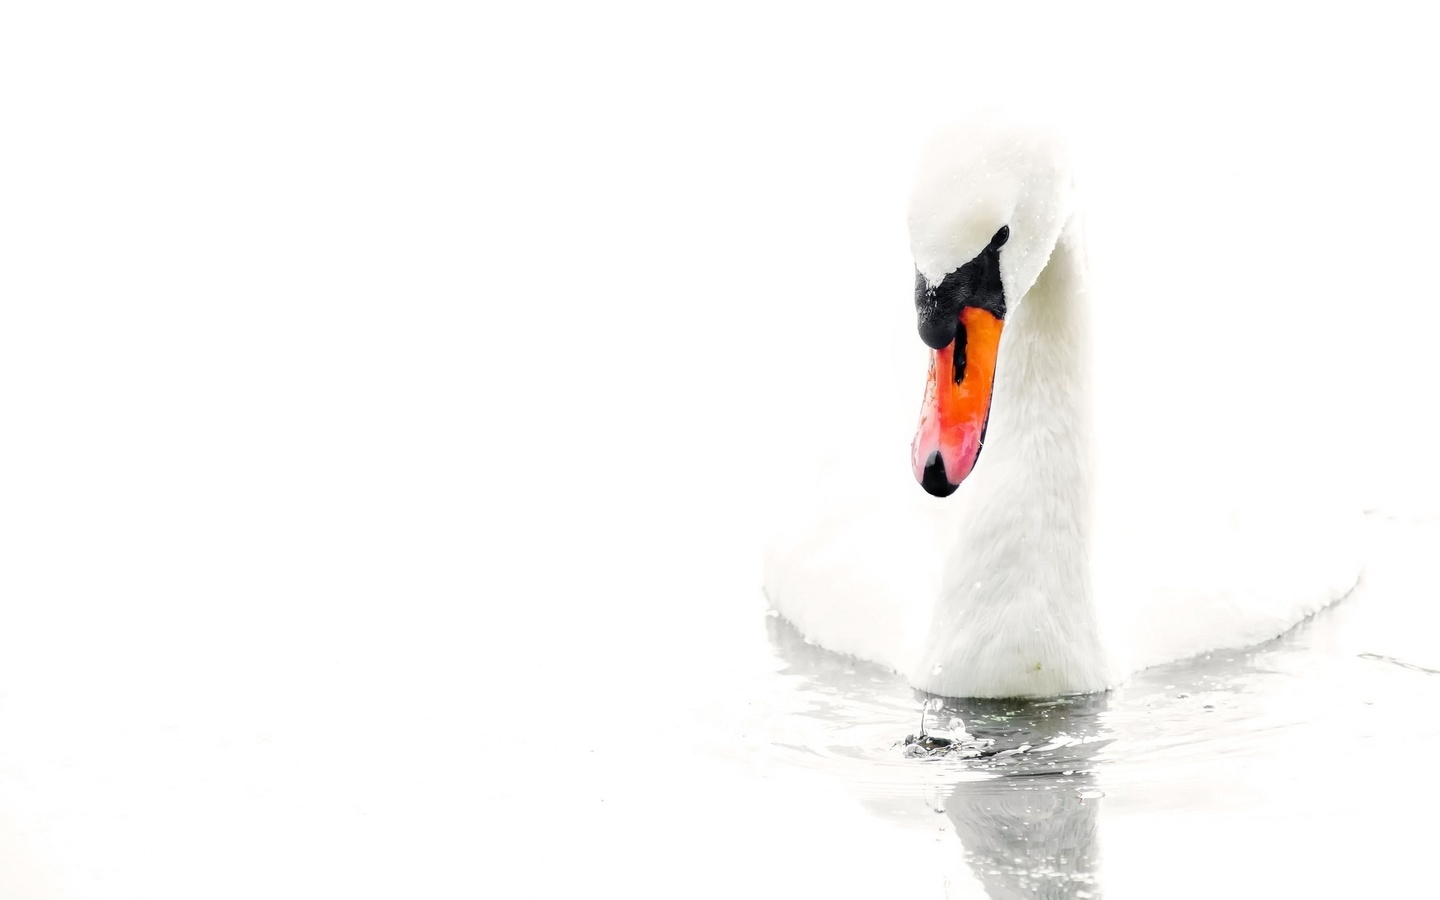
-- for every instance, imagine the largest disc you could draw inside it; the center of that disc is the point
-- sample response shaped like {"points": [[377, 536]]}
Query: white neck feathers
{"points": [[1015, 615]]}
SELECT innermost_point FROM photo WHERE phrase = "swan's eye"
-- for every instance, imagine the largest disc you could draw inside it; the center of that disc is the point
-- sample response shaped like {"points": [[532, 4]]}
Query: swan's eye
{"points": [[1000, 238]]}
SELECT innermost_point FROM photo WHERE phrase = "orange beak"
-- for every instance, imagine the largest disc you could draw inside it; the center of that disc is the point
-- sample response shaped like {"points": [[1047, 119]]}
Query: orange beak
{"points": [[957, 404]]}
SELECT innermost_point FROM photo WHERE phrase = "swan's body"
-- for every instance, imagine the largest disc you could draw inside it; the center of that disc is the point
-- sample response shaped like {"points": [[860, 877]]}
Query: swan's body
{"points": [[1011, 587]]}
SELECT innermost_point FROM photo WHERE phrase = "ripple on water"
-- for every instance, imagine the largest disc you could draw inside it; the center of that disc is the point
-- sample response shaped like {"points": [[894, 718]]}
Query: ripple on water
{"points": [[1183, 724]]}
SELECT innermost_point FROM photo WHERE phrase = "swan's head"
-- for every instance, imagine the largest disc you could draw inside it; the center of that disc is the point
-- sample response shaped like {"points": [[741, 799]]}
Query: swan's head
{"points": [[990, 199]]}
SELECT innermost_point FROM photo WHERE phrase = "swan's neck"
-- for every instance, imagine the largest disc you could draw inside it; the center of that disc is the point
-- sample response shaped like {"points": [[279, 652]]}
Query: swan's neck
{"points": [[1015, 615]]}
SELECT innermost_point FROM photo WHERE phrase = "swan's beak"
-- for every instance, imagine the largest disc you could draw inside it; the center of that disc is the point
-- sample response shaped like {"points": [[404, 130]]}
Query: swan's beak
{"points": [[957, 404]]}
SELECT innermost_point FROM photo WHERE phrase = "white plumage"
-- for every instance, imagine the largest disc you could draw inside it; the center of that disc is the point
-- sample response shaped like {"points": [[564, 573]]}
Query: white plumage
{"points": [[1032, 579]]}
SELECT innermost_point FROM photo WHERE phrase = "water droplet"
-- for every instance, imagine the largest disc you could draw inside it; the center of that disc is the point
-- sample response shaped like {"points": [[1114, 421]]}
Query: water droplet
{"points": [[977, 585], [934, 704], [1090, 793], [937, 669]]}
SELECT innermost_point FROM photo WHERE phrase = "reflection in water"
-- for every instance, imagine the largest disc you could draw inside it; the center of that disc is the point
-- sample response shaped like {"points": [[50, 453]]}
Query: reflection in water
{"points": [[1029, 837], [1031, 831], [1018, 783]]}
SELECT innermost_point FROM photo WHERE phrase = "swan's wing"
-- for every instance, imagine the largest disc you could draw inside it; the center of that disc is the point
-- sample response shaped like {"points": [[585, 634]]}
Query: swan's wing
{"points": [[856, 576], [1216, 574]]}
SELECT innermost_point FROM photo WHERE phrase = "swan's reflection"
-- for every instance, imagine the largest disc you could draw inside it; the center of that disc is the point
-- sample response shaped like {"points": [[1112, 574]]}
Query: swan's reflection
{"points": [[1032, 830], [1025, 805]]}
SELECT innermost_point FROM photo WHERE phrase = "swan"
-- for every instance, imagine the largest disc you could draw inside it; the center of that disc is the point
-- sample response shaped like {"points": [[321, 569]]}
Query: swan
{"points": [[1017, 573]]}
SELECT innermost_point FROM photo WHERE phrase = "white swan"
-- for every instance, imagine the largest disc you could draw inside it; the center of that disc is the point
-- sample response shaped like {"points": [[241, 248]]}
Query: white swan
{"points": [[1016, 585]]}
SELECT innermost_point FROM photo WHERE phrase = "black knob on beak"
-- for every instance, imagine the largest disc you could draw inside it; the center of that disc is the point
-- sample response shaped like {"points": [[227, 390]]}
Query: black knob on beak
{"points": [[937, 329]]}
